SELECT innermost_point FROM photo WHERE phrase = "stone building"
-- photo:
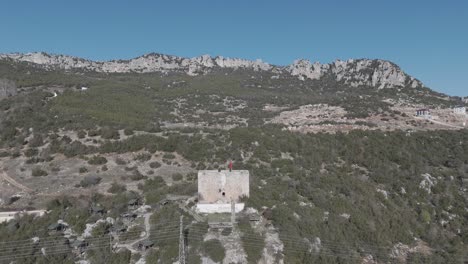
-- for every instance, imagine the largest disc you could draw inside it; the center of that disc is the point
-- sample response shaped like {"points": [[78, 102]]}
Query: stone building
{"points": [[426, 113], [218, 188], [461, 110]]}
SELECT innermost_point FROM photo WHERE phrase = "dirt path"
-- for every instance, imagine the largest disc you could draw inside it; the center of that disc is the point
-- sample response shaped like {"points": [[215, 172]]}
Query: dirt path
{"points": [[440, 123], [130, 246], [445, 124], [13, 182]]}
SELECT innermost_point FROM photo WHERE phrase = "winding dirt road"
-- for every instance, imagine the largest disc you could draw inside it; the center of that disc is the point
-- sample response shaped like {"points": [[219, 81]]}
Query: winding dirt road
{"points": [[5, 177]]}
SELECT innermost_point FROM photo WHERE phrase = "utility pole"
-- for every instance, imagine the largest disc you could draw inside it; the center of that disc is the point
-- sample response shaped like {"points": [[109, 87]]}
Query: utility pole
{"points": [[181, 242]]}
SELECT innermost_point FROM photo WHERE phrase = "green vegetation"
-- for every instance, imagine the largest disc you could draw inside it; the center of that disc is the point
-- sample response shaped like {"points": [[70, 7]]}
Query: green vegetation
{"points": [[165, 225], [177, 177], [31, 152], [226, 231], [168, 156], [254, 253], [90, 180], [155, 165], [145, 156], [214, 250], [97, 160], [336, 174], [104, 255], [38, 172], [117, 188], [132, 234], [313, 185]]}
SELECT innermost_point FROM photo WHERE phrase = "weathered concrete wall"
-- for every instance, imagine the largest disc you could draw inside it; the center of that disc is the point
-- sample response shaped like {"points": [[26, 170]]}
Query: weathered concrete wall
{"points": [[7, 88], [222, 187], [219, 208]]}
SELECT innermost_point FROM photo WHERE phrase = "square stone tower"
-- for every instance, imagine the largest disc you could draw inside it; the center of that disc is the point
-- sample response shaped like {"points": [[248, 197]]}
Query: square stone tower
{"points": [[216, 189]]}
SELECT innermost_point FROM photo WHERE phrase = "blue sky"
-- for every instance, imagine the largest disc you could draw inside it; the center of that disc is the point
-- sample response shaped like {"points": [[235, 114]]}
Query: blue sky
{"points": [[428, 39]]}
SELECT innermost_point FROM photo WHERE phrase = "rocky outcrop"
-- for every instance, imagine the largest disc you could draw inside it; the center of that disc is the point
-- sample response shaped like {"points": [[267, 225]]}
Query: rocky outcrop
{"points": [[7, 88], [152, 62], [305, 69], [362, 72]]}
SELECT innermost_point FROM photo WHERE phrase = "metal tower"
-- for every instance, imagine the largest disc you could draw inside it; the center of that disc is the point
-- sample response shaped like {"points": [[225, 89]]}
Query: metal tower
{"points": [[181, 242]]}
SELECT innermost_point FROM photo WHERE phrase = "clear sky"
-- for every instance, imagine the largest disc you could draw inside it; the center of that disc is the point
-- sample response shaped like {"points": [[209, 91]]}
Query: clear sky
{"points": [[428, 39]]}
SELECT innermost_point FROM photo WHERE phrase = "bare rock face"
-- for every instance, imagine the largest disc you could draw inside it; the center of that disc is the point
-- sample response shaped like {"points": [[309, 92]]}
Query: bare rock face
{"points": [[305, 69], [7, 88], [152, 62], [361, 72]]}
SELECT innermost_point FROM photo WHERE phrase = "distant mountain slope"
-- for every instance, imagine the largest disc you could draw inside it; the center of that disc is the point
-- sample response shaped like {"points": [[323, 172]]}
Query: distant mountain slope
{"points": [[360, 72]]}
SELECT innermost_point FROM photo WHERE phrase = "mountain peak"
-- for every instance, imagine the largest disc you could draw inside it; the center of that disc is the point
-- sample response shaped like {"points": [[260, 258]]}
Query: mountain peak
{"points": [[353, 72], [356, 72]]}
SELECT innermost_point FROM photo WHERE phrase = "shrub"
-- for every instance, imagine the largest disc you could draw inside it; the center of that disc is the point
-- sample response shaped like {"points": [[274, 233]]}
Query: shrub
{"points": [[128, 132], [100, 229], [36, 141], [90, 181], [155, 165], [130, 168], [104, 168], [253, 253], [214, 250], [109, 133], [34, 160], [81, 134], [38, 172], [136, 176], [82, 170], [120, 161], [132, 233], [31, 152], [191, 176], [74, 149], [145, 156], [97, 160], [177, 177], [117, 188], [226, 231], [425, 216], [168, 156], [93, 133], [13, 199], [153, 128]]}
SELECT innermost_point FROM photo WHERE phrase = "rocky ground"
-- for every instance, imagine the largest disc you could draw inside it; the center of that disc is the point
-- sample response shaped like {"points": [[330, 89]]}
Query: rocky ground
{"points": [[331, 119]]}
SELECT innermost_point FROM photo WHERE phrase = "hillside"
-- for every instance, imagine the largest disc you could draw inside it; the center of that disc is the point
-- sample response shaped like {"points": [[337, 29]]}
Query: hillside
{"points": [[342, 169]]}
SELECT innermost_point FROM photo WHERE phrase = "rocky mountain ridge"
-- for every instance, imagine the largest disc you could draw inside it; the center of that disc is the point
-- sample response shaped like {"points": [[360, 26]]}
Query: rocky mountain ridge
{"points": [[353, 72]]}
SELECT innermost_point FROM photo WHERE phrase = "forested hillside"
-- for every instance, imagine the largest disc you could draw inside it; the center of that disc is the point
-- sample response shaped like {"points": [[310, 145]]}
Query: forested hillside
{"points": [[368, 182]]}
